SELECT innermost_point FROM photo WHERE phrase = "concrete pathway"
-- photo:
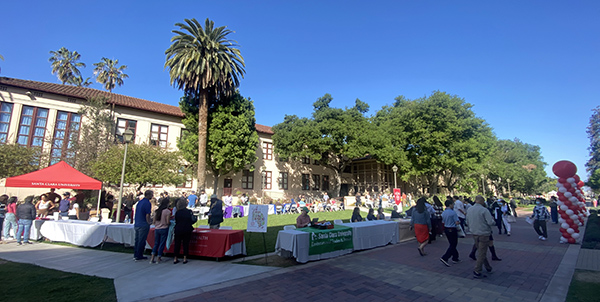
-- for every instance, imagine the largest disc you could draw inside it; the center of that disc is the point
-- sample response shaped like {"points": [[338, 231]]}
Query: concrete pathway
{"points": [[530, 270]]}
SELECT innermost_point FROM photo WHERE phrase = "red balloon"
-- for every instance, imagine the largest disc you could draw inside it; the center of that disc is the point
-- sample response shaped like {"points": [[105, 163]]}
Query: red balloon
{"points": [[568, 203], [564, 168], [567, 185], [562, 180], [572, 190], [566, 235], [569, 221], [562, 198], [564, 215], [560, 194], [577, 179], [575, 227], [571, 240], [581, 183]]}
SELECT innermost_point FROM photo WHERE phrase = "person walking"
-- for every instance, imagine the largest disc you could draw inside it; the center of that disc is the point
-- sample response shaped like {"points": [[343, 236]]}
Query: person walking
{"points": [[141, 224], [513, 207], [184, 221], [480, 223], [215, 215], [420, 221], [437, 227], [3, 200], [459, 208], [162, 217], [451, 222], [506, 216], [26, 215], [496, 213], [10, 219], [540, 215], [554, 209]]}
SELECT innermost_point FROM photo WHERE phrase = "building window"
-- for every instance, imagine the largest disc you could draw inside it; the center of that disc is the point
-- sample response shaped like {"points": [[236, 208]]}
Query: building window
{"points": [[248, 179], [267, 150], [154, 185], [306, 160], [158, 135], [315, 162], [325, 183], [5, 114], [316, 182], [122, 125], [66, 133], [32, 127], [267, 180], [305, 181], [283, 180]]}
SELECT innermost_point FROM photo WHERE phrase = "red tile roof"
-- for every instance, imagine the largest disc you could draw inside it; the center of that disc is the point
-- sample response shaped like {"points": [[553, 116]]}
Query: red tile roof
{"points": [[85, 93], [113, 98]]}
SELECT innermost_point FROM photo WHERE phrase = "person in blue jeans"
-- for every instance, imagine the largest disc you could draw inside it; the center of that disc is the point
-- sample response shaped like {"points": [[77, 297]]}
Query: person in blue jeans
{"points": [[141, 225], [162, 217], [26, 214], [10, 219]]}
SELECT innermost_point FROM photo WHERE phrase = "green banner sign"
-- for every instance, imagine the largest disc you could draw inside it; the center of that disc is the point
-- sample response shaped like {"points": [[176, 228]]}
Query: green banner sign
{"points": [[329, 240]]}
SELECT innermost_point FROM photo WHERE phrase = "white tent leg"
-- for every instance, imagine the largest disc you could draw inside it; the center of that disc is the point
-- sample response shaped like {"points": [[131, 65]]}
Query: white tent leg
{"points": [[98, 204]]}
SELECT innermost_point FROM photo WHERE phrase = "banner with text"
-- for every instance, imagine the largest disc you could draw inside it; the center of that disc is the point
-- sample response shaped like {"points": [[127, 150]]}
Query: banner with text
{"points": [[329, 240]]}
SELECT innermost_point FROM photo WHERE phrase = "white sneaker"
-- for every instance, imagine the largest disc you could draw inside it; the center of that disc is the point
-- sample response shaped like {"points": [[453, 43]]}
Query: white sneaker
{"points": [[540, 237], [543, 238]]}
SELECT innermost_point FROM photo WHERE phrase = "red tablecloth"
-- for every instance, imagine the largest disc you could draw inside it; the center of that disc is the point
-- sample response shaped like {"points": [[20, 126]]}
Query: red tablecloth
{"points": [[207, 242]]}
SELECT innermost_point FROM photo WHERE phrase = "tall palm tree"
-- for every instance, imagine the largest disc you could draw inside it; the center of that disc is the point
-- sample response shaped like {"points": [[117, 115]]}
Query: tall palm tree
{"points": [[65, 64], [205, 64], [108, 74]]}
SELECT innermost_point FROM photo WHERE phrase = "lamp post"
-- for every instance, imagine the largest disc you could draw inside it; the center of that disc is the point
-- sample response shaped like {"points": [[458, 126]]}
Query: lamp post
{"points": [[395, 169], [127, 138]]}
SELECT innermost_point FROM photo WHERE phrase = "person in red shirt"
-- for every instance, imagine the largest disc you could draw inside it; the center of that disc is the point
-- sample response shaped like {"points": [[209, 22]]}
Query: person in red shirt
{"points": [[10, 221]]}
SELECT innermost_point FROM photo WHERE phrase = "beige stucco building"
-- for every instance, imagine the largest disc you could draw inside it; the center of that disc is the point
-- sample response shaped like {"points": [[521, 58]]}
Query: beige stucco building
{"points": [[45, 115]]}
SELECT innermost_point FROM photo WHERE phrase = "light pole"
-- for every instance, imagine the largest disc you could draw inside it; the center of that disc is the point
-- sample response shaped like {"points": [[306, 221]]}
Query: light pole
{"points": [[127, 138], [395, 169], [483, 184]]}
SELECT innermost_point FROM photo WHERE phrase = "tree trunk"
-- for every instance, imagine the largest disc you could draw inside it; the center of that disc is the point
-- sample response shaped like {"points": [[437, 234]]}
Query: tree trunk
{"points": [[338, 183], [202, 135], [216, 183]]}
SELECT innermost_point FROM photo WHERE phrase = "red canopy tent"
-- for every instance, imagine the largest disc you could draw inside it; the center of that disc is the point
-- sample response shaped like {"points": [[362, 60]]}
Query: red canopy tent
{"points": [[60, 175]]}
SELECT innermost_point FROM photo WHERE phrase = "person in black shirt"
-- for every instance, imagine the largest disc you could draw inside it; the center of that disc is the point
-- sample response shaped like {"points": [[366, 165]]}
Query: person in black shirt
{"points": [[356, 215]]}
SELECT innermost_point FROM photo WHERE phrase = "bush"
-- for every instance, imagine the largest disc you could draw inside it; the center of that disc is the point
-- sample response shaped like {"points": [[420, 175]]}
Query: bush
{"points": [[591, 240]]}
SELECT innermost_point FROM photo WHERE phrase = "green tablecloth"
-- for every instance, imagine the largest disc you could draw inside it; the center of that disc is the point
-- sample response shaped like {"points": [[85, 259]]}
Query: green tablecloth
{"points": [[328, 240]]}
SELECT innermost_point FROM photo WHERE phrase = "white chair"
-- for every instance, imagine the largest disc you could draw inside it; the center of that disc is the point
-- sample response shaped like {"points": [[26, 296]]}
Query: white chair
{"points": [[203, 227], [226, 228], [104, 214], [289, 227], [338, 221]]}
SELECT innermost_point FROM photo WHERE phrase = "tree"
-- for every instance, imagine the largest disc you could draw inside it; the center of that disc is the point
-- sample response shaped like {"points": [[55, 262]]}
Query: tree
{"points": [[333, 136], [16, 160], [593, 164], [79, 82], [146, 164], [94, 136], [65, 65], [206, 65], [108, 74], [232, 137], [433, 139]]}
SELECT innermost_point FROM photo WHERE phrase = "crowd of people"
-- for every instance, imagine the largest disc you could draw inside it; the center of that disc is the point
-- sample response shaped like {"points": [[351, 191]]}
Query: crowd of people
{"points": [[478, 218]]}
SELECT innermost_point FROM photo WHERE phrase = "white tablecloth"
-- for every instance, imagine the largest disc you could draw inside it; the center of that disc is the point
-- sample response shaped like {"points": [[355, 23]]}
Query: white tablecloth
{"points": [[370, 234], [78, 232], [293, 243], [121, 233]]}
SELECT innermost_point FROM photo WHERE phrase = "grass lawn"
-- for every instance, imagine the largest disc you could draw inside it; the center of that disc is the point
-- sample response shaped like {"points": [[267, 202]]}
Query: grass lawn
{"points": [[27, 282], [585, 286], [254, 241]]}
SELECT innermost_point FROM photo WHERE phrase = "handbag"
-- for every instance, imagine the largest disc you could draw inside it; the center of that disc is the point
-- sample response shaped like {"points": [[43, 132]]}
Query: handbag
{"points": [[511, 219], [461, 232], [529, 220]]}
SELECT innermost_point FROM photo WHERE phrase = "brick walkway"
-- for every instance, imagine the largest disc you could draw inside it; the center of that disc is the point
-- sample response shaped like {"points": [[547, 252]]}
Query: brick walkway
{"points": [[398, 273]]}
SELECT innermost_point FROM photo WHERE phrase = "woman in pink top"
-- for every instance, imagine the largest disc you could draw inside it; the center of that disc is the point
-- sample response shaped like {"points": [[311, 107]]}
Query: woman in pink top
{"points": [[162, 218], [11, 219]]}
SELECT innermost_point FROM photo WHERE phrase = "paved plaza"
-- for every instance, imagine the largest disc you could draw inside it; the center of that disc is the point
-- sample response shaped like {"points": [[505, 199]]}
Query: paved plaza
{"points": [[530, 270]]}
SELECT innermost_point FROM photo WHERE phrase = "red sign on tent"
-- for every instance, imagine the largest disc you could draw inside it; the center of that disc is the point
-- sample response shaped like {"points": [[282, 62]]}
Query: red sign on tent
{"points": [[397, 196], [60, 175]]}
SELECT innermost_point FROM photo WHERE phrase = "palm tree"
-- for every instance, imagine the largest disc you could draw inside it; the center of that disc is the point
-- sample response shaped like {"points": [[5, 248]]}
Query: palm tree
{"points": [[64, 64], [79, 82], [108, 74], [205, 64]]}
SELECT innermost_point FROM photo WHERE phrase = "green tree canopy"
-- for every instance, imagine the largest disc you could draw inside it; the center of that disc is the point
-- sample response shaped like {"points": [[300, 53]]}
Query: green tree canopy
{"points": [[109, 74], [16, 160], [145, 164], [205, 64], [333, 136], [65, 64], [593, 164], [232, 137], [434, 136]]}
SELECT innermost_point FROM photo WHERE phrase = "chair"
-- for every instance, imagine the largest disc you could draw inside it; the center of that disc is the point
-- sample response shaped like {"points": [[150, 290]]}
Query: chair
{"points": [[104, 213], [203, 227], [289, 227], [287, 207], [338, 221], [278, 209], [226, 228], [236, 212], [293, 208]]}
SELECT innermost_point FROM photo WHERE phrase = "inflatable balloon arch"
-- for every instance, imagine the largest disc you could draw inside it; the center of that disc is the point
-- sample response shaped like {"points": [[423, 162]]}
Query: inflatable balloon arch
{"points": [[571, 201]]}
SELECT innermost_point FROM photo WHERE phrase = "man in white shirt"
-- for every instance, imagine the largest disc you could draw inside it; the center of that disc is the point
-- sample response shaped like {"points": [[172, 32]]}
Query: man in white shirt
{"points": [[228, 200], [203, 199], [459, 208]]}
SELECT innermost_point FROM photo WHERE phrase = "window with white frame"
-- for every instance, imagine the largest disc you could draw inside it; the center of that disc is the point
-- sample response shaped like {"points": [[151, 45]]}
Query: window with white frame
{"points": [[159, 135]]}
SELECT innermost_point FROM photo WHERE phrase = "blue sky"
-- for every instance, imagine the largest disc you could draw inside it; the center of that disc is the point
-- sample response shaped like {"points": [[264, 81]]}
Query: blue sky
{"points": [[530, 68]]}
